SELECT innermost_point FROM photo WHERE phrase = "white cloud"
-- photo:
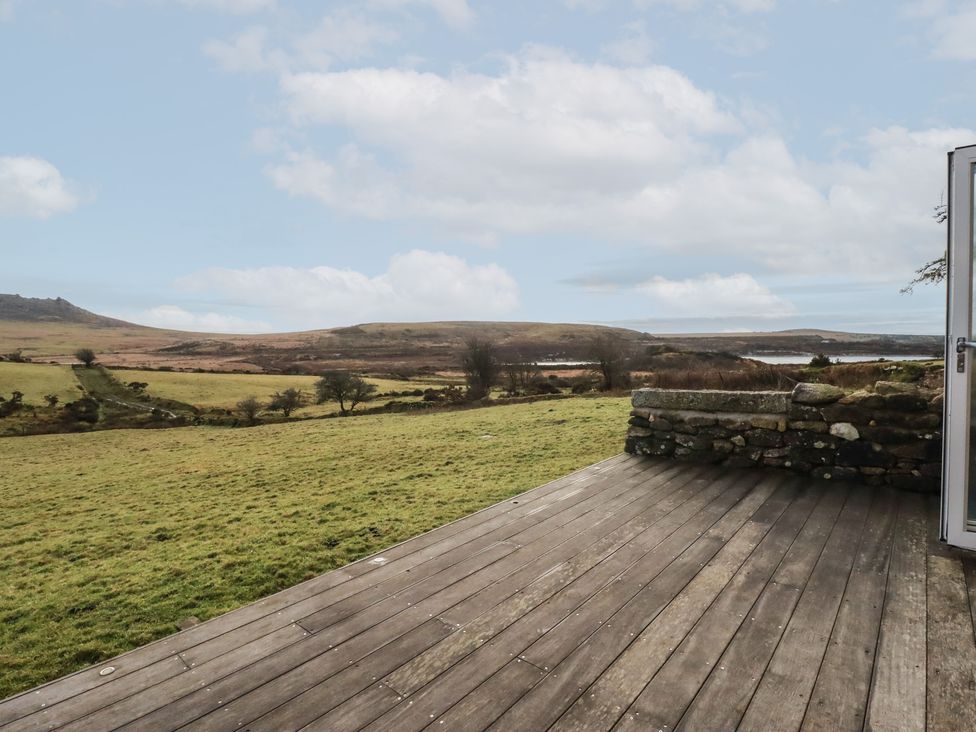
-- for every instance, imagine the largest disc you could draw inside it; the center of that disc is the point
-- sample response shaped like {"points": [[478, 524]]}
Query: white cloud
{"points": [[735, 295], [454, 12], [342, 36], [633, 48], [950, 28], [177, 318], [237, 7], [7, 10], [953, 34], [741, 6], [246, 52], [34, 188], [417, 285], [553, 145]]}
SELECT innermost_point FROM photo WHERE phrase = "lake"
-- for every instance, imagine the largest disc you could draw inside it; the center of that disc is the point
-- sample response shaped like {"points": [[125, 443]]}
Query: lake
{"points": [[843, 358]]}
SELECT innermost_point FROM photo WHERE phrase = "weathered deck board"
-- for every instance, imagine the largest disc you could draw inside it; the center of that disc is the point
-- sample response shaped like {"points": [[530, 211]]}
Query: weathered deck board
{"points": [[633, 594]]}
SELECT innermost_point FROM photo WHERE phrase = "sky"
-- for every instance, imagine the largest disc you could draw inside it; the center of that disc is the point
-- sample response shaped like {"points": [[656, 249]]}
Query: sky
{"points": [[666, 165]]}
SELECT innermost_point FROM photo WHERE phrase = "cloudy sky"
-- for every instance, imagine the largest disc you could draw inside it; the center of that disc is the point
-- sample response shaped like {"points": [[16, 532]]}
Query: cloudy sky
{"points": [[671, 165]]}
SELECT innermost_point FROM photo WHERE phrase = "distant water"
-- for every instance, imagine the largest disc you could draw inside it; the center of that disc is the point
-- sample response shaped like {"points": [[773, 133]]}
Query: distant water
{"points": [[843, 358], [544, 364]]}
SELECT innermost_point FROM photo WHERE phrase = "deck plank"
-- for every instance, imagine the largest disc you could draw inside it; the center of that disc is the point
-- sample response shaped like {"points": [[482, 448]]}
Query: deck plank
{"points": [[674, 682], [783, 693], [841, 691], [723, 698], [475, 668], [897, 694], [608, 637], [951, 673]]}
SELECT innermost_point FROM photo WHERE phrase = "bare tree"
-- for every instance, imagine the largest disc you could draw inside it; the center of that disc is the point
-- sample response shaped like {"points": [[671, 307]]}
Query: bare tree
{"points": [[481, 367], [287, 401], [86, 356], [611, 361], [342, 387], [249, 408], [934, 272], [519, 375]]}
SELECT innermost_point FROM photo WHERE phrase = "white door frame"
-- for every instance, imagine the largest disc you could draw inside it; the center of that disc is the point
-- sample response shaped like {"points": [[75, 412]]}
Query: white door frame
{"points": [[960, 357]]}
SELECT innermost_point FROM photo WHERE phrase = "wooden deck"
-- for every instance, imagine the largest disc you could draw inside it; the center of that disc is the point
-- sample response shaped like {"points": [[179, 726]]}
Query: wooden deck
{"points": [[633, 595]]}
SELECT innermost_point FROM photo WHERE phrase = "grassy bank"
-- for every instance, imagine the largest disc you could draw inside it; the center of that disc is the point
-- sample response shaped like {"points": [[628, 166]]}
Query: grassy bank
{"points": [[223, 391], [108, 539], [35, 380]]}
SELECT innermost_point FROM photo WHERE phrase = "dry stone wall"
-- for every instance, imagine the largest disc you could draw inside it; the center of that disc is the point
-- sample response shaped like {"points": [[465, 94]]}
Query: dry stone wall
{"points": [[890, 435]]}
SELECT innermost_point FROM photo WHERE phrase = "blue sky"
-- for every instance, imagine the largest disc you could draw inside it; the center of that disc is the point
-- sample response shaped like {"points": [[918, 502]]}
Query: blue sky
{"points": [[670, 165]]}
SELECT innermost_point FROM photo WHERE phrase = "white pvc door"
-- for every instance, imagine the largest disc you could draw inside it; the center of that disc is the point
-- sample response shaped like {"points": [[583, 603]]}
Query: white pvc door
{"points": [[959, 455]]}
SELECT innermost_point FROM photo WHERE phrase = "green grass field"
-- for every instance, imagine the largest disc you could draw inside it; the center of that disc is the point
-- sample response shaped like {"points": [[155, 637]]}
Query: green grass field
{"points": [[36, 379], [107, 539], [223, 391]]}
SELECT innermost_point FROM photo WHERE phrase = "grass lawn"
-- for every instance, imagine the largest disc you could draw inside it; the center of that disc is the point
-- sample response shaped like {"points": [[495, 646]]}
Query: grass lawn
{"points": [[37, 379], [107, 539], [223, 391]]}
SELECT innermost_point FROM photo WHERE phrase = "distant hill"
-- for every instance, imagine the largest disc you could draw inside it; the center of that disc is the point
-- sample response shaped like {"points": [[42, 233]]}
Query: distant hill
{"points": [[51, 329], [56, 310]]}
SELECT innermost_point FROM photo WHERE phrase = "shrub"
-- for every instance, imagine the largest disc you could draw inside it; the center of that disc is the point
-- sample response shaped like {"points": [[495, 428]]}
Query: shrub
{"points": [[342, 387], [85, 409], [249, 408], [820, 361], [86, 356], [287, 401]]}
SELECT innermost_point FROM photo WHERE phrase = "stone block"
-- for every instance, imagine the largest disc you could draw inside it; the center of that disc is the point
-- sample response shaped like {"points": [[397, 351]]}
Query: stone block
{"points": [[861, 453], [735, 422], [844, 430], [841, 473], [738, 440], [776, 452], [846, 413], [863, 399], [924, 450], [868, 470], [916, 483], [884, 388], [815, 440], [889, 435], [808, 426], [723, 446], [754, 454], [764, 438], [806, 393], [715, 433], [712, 401], [768, 422], [906, 403], [693, 442], [640, 432], [804, 412], [909, 420], [811, 455]]}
